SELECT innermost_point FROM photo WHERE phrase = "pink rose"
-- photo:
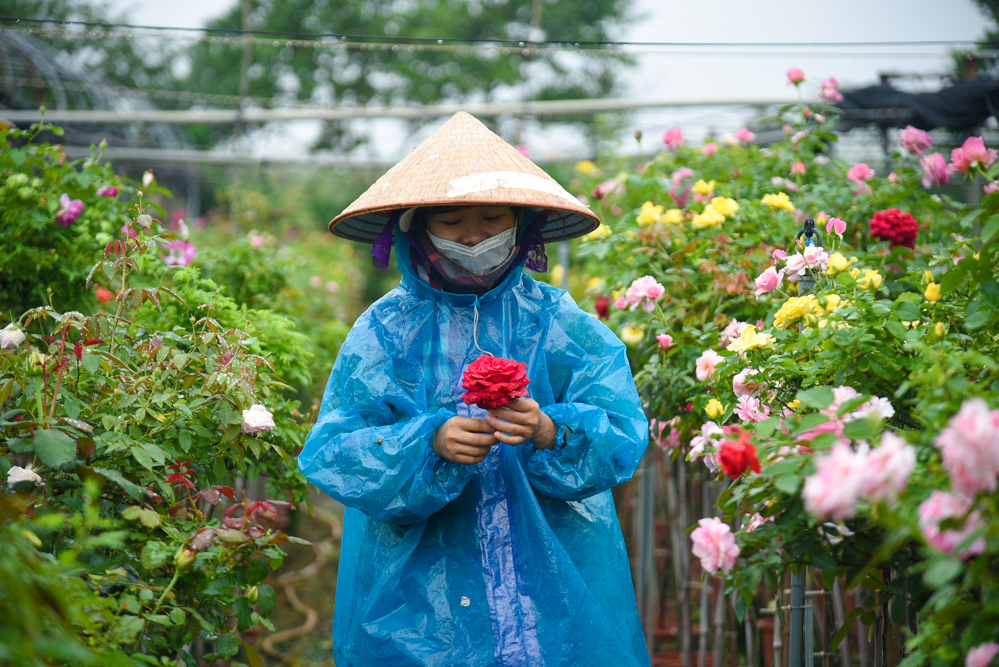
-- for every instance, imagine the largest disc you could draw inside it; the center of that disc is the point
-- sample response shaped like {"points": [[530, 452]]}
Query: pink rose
{"points": [[604, 188], [981, 655], [795, 266], [940, 506], [859, 173], [934, 170], [715, 545], [836, 225], [768, 281], [840, 396], [914, 140], [744, 136], [673, 138], [732, 331], [832, 492], [750, 409], [970, 448], [795, 76], [756, 521], [70, 210], [710, 149], [257, 241], [643, 292], [831, 82], [621, 303], [778, 254], [107, 191], [704, 439], [888, 468], [893, 178], [665, 341], [797, 168], [742, 385], [798, 136], [707, 365], [989, 188], [821, 159], [816, 258], [179, 253], [972, 154], [828, 92], [821, 119]]}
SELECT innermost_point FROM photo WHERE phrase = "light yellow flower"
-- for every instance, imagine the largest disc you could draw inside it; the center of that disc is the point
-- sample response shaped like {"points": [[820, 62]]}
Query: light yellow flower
{"points": [[674, 216], [779, 200], [832, 301], [795, 404], [793, 310], [932, 292], [751, 340], [725, 206], [700, 187], [585, 167], [631, 234], [594, 284], [838, 262], [710, 218], [910, 325], [632, 335], [650, 213], [927, 276], [714, 408], [939, 330], [821, 218], [603, 231], [867, 279], [556, 275]]}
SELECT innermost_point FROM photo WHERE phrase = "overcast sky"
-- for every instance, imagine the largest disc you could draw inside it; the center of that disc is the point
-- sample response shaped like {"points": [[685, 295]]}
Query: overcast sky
{"points": [[748, 74]]}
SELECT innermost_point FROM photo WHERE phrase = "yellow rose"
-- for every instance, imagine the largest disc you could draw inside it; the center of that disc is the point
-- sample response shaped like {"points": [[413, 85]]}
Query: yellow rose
{"points": [[650, 213], [632, 335], [932, 292], [939, 330], [750, 340], [700, 187], [838, 262], [725, 206], [779, 200], [586, 167], [600, 232], [714, 408], [710, 218], [793, 310], [674, 216], [594, 284], [832, 302], [927, 276], [794, 405], [868, 279], [556, 275]]}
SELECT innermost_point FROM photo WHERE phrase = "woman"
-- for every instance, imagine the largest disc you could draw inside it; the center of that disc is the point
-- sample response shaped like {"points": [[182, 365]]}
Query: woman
{"points": [[476, 537]]}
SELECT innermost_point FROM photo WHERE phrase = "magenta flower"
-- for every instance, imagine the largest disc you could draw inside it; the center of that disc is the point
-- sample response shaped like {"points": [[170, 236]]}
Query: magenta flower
{"points": [[107, 191], [70, 210], [768, 281], [934, 170], [832, 492], [710, 149], [795, 76], [179, 253], [940, 506], [673, 138], [970, 448], [835, 225], [914, 140], [665, 341], [744, 136], [972, 154], [981, 655], [715, 545]]}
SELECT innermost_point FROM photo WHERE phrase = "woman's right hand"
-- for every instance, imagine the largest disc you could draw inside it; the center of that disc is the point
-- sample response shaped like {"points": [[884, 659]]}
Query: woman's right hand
{"points": [[464, 440]]}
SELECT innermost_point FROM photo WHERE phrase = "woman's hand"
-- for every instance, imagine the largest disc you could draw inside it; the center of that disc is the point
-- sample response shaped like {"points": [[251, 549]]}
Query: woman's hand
{"points": [[522, 420], [464, 440]]}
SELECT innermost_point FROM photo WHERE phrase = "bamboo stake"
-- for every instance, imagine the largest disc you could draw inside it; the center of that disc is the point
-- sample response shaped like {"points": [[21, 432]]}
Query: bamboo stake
{"points": [[684, 549], [718, 645], [840, 615], [705, 604]]}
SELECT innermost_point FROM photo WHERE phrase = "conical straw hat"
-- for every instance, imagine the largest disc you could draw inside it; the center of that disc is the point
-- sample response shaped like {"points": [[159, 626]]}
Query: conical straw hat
{"points": [[464, 163]]}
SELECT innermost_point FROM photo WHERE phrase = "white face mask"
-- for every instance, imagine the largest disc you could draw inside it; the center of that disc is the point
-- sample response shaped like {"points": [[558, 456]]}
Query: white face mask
{"points": [[482, 258]]}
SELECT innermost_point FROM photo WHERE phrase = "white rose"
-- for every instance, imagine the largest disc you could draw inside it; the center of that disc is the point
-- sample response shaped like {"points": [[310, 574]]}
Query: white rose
{"points": [[145, 221], [11, 337], [257, 420], [18, 474], [147, 178]]}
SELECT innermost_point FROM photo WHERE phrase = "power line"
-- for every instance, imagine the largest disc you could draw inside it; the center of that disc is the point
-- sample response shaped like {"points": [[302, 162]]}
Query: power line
{"points": [[474, 40]]}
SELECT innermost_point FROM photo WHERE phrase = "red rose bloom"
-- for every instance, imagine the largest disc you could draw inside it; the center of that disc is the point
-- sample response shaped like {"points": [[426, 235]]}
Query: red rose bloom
{"points": [[737, 455], [602, 307], [895, 226], [491, 382]]}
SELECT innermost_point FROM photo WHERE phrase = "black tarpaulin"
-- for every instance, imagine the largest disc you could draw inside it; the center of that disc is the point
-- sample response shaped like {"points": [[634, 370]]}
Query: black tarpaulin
{"points": [[963, 106]]}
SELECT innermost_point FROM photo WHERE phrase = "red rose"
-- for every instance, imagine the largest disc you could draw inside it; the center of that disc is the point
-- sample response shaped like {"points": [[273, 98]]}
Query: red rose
{"points": [[491, 381], [896, 227], [737, 455], [602, 307]]}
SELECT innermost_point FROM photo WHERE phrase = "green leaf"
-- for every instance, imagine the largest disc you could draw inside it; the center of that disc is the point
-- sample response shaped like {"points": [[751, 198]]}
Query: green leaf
{"points": [[819, 398], [154, 554], [896, 329], [54, 448], [990, 229], [841, 633], [266, 599], [135, 491], [811, 420], [243, 611], [178, 616], [860, 429], [782, 467], [252, 656], [767, 427], [788, 484], [142, 456], [740, 608], [980, 318], [231, 432], [184, 438], [952, 279], [823, 561], [942, 572], [227, 645], [218, 587], [154, 451], [908, 312], [909, 296]]}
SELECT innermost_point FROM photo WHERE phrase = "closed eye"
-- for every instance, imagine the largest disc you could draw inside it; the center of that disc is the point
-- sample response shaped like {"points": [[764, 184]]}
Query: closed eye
{"points": [[493, 218], [449, 223]]}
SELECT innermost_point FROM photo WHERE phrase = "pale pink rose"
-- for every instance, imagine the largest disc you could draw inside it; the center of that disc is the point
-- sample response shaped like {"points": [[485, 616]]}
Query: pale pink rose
{"points": [[877, 407], [621, 303], [680, 174], [665, 341], [707, 365], [836, 225], [940, 506], [744, 136], [888, 469], [706, 438], [807, 112], [788, 128], [643, 292], [914, 140], [710, 149], [834, 426], [798, 136], [605, 188], [860, 172], [257, 419], [701, 199], [778, 254], [989, 188], [797, 168], [257, 241], [832, 492], [970, 448], [821, 119], [673, 439], [750, 409], [756, 521], [768, 281], [715, 545], [893, 178], [732, 331], [934, 168], [656, 429], [840, 396], [816, 258], [981, 655], [673, 138], [821, 159], [829, 93], [795, 266], [743, 386], [332, 286], [972, 154], [795, 76], [831, 82]]}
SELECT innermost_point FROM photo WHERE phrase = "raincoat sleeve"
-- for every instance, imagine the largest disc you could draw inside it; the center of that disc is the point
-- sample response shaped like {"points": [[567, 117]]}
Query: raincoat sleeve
{"points": [[372, 446], [602, 428]]}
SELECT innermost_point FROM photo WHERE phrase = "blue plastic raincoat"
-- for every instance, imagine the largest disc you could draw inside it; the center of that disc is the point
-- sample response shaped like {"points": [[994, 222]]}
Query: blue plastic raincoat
{"points": [[517, 561]]}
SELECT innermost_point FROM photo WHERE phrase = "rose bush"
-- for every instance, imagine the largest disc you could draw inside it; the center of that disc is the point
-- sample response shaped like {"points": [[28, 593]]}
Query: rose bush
{"points": [[861, 365]]}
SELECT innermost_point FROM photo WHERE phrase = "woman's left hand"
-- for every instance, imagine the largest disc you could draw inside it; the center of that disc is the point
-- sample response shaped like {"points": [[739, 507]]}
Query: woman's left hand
{"points": [[522, 420]]}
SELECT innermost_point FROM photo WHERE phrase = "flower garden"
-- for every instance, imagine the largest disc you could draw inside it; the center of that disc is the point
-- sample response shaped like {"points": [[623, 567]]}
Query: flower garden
{"points": [[817, 343]]}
